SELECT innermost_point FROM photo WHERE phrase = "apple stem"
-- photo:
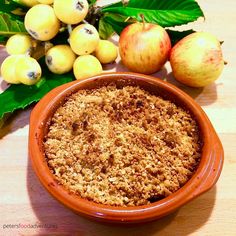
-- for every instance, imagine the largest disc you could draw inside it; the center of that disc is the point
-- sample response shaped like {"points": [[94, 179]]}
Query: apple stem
{"points": [[225, 62], [143, 20]]}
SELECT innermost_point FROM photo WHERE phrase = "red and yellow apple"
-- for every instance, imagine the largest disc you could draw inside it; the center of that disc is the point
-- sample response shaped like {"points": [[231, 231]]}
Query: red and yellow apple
{"points": [[144, 47], [197, 59]]}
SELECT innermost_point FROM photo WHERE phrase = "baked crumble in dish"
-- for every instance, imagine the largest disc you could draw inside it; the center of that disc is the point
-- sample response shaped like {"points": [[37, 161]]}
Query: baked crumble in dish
{"points": [[122, 146]]}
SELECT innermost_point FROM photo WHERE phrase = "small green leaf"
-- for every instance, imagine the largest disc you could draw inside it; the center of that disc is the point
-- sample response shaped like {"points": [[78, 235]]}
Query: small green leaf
{"points": [[11, 7], [3, 39], [19, 3], [92, 2], [7, 6], [166, 13], [118, 22], [10, 26], [20, 96], [105, 29]]}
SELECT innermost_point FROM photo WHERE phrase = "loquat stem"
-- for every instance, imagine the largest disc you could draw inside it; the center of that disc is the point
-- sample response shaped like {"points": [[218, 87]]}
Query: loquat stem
{"points": [[85, 22], [69, 28]]}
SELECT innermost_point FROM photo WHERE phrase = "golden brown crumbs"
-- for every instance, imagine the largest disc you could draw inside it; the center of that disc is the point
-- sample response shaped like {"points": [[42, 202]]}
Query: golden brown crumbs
{"points": [[122, 146]]}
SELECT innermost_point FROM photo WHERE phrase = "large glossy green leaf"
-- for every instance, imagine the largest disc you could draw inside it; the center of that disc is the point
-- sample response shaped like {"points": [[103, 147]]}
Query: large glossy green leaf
{"points": [[163, 12], [20, 96]]}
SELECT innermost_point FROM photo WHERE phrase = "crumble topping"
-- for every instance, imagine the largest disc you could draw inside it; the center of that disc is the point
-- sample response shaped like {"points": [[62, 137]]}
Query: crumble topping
{"points": [[122, 146]]}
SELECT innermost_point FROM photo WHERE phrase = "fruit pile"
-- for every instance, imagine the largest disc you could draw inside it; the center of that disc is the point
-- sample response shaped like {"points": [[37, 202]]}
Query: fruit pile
{"points": [[84, 53], [196, 60]]}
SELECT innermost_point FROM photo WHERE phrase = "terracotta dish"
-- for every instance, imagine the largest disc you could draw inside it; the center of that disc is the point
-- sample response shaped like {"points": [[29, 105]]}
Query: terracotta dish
{"points": [[204, 178]]}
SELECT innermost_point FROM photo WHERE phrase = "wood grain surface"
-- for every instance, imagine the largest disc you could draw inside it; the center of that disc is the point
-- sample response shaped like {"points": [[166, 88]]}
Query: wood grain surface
{"points": [[24, 201]]}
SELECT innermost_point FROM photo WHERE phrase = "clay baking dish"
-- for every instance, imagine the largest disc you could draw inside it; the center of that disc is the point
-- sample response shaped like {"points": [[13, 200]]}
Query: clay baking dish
{"points": [[204, 178]]}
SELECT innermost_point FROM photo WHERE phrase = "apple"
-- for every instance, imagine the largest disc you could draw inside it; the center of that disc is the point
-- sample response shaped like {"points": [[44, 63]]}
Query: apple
{"points": [[197, 59], [144, 47]]}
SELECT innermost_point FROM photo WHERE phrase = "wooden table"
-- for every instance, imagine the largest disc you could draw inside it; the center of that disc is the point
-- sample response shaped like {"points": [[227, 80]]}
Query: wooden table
{"points": [[24, 201]]}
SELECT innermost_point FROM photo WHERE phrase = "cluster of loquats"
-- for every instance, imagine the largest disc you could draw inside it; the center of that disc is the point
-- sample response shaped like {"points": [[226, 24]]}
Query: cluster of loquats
{"points": [[84, 53]]}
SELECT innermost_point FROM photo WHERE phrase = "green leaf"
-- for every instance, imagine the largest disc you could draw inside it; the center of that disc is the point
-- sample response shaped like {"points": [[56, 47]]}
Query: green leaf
{"points": [[11, 7], [20, 96], [92, 2], [176, 36], [19, 3], [118, 22], [3, 39], [105, 29], [10, 26], [166, 13], [8, 6]]}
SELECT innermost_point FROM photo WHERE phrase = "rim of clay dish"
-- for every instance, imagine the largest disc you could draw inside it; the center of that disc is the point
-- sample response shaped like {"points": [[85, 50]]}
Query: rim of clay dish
{"points": [[205, 177]]}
